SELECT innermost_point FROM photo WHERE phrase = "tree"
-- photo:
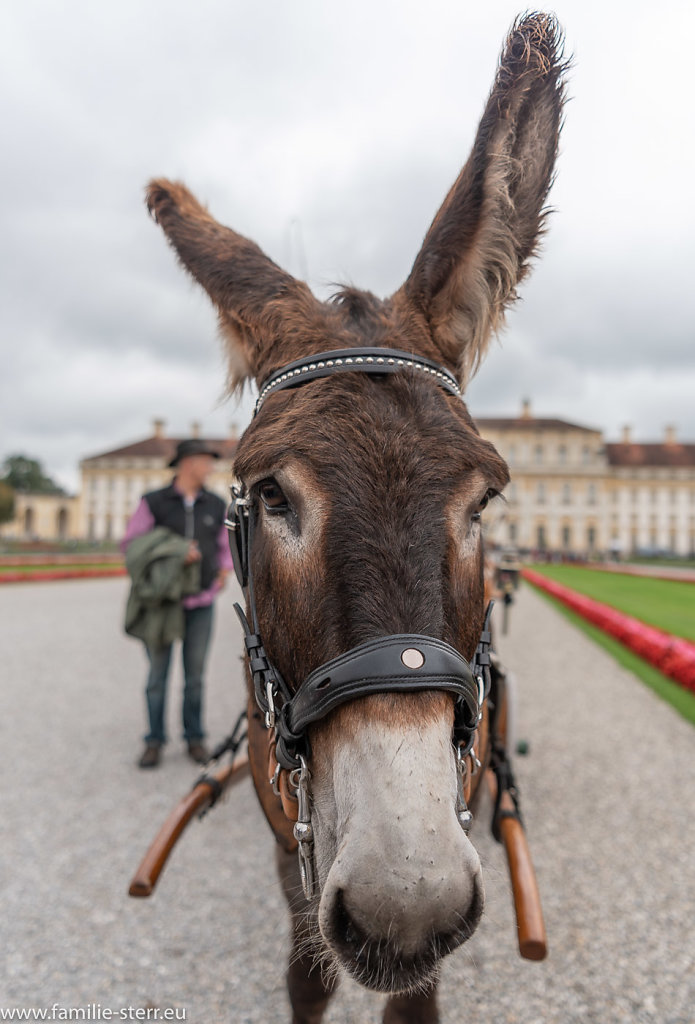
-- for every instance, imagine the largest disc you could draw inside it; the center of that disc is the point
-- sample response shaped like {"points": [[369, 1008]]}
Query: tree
{"points": [[26, 475], [6, 502]]}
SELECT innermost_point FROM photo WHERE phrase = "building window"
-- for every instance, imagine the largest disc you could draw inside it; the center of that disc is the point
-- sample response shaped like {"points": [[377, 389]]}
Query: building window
{"points": [[566, 494], [591, 537], [540, 537], [62, 523], [586, 455], [540, 493], [566, 537], [562, 454], [511, 458], [591, 494], [512, 533], [538, 454], [653, 495]]}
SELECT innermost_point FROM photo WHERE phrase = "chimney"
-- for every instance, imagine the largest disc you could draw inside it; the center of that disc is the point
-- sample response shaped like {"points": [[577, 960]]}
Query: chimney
{"points": [[670, 433], [526, 409], [195, 428], [158, 427], [627, 435]]}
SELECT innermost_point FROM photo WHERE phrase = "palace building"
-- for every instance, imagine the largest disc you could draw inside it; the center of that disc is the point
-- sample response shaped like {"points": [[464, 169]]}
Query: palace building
{"points": [[113, 482], [571, 492]]}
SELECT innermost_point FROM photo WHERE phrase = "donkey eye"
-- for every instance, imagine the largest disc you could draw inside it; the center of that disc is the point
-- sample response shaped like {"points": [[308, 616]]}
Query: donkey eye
{"points": [[272, 496], [483, 503]]}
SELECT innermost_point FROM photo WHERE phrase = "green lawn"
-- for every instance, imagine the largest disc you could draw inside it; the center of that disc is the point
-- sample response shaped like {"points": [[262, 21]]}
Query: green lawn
{"points": [[666, 604], [680, 698]]}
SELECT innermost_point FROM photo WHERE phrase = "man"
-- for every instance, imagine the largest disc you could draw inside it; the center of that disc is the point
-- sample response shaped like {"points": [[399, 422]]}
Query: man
{"points": [[185, 509]]}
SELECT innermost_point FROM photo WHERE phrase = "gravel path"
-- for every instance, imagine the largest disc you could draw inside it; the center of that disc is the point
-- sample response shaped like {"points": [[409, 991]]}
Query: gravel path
{"points": [[608, 793]]}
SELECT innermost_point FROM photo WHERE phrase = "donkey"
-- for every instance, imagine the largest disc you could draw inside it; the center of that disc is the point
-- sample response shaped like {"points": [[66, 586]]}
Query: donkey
{"points": [[363, 492]]}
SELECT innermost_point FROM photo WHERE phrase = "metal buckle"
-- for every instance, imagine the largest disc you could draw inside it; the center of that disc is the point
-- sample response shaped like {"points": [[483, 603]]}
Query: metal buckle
{"points": [[270, 700], [462, 813], [303, 830], [274, 780], [480, 680]]}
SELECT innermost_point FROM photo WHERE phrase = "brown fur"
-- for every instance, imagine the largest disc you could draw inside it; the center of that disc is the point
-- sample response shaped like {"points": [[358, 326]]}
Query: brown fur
{"points": [[395, 466]]}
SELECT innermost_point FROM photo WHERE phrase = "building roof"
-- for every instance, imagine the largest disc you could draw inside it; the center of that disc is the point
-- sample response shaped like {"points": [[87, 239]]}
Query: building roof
{"points": [[163, 448], [529, 423], [665, 454]]}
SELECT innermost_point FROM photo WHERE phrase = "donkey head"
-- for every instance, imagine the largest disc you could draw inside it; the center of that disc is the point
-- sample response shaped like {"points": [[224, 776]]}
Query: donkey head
{"points": [[367, 496]]}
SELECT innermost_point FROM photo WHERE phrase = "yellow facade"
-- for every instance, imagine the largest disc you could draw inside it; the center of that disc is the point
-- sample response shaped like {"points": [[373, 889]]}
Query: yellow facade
{"points": [[52, 517], [570, 491]]}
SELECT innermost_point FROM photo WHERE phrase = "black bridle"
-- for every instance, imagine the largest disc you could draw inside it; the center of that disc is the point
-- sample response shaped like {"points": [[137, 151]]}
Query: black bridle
{"points": [[398, 663]]}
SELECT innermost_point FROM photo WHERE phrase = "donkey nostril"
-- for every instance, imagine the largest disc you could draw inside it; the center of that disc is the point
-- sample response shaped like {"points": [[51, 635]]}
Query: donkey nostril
{"points": [[345, 928]]}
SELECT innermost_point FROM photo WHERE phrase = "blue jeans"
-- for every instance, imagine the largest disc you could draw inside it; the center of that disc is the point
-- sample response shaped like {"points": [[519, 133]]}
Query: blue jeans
{"points": [[198, 627]]}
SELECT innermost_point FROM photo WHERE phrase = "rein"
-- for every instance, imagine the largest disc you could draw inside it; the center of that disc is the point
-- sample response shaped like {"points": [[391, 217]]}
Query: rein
{"points": [[398, 663]]}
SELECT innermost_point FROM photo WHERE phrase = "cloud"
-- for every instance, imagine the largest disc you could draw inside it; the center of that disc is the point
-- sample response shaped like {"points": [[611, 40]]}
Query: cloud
{"points": [[329, 137]]}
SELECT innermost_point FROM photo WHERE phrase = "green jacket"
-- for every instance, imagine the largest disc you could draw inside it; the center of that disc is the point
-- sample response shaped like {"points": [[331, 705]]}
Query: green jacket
{"points": [[160, 581]]}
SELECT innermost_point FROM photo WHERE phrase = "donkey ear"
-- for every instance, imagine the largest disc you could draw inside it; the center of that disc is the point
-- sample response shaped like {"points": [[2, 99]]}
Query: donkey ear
{"points": [[480, 243], [255, 298]]}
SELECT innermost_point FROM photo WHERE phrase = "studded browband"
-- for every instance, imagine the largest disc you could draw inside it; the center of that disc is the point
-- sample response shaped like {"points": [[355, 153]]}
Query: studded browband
{"points": [[373, 361]]}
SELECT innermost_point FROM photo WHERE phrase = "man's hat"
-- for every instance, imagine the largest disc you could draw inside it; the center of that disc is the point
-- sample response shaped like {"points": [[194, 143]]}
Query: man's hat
{"points": [[193, 446]]}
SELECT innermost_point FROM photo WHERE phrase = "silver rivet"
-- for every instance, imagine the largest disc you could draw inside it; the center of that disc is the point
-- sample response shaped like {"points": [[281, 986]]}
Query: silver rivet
{"points": [[412, 658]]}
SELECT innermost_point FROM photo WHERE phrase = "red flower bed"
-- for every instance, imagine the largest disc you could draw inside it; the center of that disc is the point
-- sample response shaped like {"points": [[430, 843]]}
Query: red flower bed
{"points": [[672, 655], [59, 574]]}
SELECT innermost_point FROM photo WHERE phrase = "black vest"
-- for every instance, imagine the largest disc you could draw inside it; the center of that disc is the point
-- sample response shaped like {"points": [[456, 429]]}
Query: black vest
{"points": [[201, 523]]}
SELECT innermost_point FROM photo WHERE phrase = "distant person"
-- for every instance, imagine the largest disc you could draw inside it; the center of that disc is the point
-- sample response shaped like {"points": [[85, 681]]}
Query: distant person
{"points": [[177, 554]]}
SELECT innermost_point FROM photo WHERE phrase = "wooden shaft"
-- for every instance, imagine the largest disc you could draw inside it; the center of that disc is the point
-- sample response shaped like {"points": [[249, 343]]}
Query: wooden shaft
{"points": [[145, 878], [531, 935], [533, 944]]}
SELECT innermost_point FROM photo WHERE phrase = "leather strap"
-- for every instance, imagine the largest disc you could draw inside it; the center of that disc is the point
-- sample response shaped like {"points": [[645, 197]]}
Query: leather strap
{"points": [[374, 361]]}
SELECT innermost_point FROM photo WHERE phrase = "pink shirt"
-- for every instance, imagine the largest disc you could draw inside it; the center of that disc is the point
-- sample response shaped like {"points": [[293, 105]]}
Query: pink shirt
{"points": [[142, 521]]}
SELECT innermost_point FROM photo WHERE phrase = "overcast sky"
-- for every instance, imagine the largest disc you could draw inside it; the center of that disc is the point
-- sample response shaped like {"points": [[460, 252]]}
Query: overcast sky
{"points": [[329, 133]]}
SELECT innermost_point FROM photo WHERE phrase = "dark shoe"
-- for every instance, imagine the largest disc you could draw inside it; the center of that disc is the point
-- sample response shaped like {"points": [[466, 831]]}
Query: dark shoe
{"points": [[150, 758], [198, 752]]}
